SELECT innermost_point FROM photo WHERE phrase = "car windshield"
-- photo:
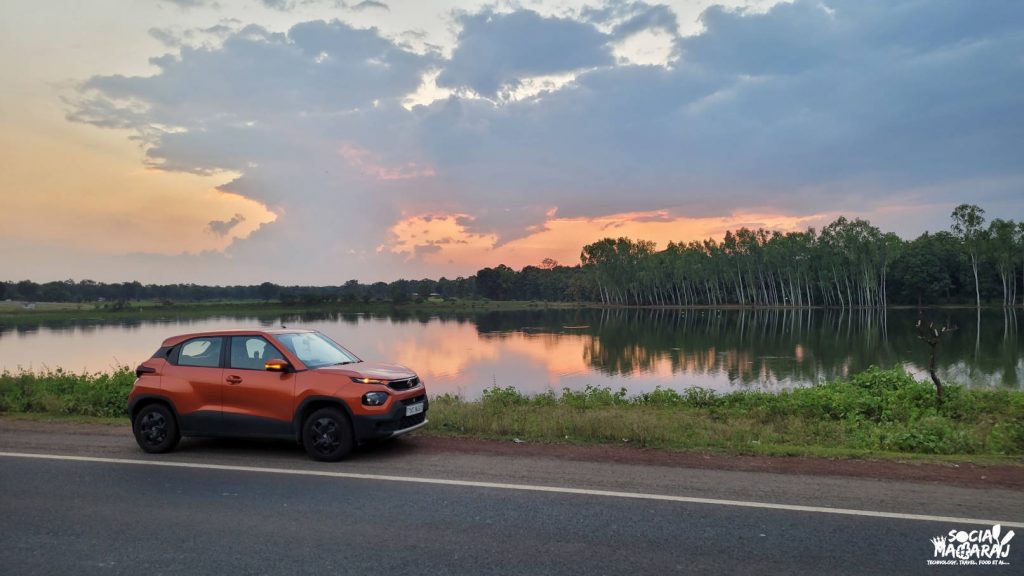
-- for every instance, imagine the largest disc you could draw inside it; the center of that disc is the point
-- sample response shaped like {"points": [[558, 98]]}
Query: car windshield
{"points": [[316, 350]]}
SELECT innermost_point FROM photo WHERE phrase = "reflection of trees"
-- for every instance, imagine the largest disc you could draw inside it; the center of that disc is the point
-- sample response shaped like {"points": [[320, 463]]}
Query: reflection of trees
{"points": [[766, 346], [748, 346]]}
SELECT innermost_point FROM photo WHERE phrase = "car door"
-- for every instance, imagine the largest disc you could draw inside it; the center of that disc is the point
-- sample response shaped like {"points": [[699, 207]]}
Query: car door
{"points": [[193, 380], [257, 402]]}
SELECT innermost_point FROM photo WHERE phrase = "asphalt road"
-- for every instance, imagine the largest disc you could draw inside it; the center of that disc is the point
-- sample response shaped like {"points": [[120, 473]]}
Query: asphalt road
{"points": [[109, 517]]}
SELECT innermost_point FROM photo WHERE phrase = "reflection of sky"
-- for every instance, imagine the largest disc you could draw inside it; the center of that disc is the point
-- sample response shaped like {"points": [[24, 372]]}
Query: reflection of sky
{"points": [[454, 357]]}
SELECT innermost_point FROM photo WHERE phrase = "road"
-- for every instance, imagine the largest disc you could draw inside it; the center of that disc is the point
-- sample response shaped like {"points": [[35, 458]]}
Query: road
{"points": [[263, 508]]}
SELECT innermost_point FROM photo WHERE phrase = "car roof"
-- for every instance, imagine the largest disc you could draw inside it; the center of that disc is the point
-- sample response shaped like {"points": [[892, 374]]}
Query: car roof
{"points": [[233, 332]]}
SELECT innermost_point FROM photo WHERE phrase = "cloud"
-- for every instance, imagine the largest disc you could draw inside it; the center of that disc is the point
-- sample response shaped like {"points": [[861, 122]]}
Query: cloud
{"points": [[223, 227], [185, 4], [795, 109], [806, 108], [497, 50], [282, 5], [628, 18], [370, 5], [165, 36]]}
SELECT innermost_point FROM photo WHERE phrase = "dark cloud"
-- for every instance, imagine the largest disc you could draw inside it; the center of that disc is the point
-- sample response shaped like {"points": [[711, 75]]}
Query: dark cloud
{"points": [[223, 227], [255, 76], [792, 109], [628, 18], [808, 107], [497, 50]]}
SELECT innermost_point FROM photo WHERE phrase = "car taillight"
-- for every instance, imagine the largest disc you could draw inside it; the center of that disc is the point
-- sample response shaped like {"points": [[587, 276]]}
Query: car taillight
{"points": [[143, 369]]}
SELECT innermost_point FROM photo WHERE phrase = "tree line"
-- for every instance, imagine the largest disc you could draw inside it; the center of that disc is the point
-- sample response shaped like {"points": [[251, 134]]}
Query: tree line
{"points": [[848, 263], [353, 291]]}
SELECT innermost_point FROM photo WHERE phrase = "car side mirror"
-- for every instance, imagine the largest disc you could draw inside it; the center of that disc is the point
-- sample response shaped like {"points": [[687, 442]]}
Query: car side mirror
{"points": [[277, 365]]}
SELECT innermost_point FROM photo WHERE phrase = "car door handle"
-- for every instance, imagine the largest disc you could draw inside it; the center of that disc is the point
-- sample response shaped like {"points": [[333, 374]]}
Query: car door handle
{"points": [[234, 379]]}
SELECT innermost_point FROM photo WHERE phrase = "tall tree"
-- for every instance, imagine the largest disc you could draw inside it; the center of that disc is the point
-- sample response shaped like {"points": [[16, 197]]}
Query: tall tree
{"points": [[967, 226], [1001, 249]]}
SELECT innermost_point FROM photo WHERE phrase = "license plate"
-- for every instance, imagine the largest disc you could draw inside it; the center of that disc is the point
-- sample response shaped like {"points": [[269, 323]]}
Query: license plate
{"points": [[413, 409]]}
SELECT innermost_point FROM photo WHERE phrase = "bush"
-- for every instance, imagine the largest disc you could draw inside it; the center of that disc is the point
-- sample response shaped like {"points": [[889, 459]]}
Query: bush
{"points": [[593, 397], [60, 392], [502, 397]]}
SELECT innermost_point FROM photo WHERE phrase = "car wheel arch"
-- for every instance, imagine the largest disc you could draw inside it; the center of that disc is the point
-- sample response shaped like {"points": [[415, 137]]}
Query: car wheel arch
{"points": [[141, 402], [312, 404]]}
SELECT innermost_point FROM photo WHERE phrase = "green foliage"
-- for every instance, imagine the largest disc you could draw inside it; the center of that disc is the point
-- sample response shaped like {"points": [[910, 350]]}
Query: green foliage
{"points": [[61, 392], [500, 397], [592, 397], [873, 411]]}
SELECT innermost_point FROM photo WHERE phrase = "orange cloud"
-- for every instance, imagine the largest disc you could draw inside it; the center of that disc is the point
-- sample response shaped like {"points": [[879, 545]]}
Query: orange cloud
{"points": [[444, 239]]}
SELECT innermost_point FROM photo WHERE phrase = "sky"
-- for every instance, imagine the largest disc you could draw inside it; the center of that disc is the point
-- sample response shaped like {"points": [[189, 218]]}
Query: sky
{"points": [[317, 141]]}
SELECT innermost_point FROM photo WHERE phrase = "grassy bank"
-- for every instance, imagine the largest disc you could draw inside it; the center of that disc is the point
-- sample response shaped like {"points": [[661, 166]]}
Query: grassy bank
{"points": [[875, 413]]}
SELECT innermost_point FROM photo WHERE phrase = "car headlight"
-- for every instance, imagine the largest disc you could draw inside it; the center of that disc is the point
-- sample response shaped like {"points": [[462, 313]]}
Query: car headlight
{"points": [[375, 398], [362, 380]]}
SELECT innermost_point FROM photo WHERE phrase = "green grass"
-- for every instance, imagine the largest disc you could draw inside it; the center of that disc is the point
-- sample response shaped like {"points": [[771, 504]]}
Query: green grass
{"points": [[877, 413], [66, 393]]}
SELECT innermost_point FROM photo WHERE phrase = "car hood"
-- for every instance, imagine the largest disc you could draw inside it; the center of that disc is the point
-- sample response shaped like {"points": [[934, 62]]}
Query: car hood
{"points": [[378, 370]]}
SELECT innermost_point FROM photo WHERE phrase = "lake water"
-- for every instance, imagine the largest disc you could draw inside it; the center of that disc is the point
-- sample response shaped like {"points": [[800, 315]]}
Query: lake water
{"points": [[553, 349]]}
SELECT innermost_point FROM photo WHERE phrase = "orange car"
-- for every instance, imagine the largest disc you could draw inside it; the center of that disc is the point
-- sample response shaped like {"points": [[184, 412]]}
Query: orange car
{"points": [[294, 384]]}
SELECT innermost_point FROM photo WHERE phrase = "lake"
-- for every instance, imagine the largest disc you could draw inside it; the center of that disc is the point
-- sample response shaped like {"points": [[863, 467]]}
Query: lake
{"points": [[540, 349]]}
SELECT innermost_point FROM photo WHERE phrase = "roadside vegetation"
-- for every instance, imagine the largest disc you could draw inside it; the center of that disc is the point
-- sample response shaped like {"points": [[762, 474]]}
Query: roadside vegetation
{"points": [[874, 413]]}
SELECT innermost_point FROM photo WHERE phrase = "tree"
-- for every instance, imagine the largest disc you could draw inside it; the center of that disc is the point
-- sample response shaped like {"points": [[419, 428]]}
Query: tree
{"points": [[27, 290], [922, 274], [268, 291], [399, 291], [495, 283], [932, 335], [967, 226], [1001, 249]]}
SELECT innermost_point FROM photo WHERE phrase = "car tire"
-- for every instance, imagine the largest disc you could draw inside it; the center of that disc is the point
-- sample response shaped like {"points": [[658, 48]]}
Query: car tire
{"points": [[155, 429], [327, 435]]}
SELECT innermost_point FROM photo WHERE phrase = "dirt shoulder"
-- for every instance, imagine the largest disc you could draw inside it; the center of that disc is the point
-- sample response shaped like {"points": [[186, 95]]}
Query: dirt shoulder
{"points": [[34, 435], [970, 475]]}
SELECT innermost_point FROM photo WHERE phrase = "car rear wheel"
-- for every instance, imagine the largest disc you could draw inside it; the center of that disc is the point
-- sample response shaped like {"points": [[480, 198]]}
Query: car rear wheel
{"points": [[155, 429], [327, 435]]}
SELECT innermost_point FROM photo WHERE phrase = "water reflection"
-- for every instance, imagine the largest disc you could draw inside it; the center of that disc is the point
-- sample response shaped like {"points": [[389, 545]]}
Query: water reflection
{"points": [[540, 349]]}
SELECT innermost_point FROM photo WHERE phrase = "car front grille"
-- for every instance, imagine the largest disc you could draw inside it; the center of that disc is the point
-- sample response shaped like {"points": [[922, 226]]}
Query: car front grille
{"points": [[404, 384], [414, 399]]}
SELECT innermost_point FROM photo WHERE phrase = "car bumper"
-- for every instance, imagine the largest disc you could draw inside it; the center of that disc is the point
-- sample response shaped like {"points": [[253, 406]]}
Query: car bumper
{"points": [[392, 424]]}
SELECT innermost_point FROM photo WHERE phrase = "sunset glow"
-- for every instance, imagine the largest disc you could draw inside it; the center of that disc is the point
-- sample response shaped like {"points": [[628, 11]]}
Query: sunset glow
{"points": [[447, 239], [194, 140]]}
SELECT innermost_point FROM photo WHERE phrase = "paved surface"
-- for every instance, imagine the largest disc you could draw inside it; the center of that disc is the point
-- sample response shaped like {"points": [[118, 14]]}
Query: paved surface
{"points": [[71, 517]]}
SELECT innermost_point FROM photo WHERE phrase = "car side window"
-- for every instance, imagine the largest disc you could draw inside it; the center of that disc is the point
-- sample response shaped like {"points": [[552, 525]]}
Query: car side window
{"points": [[252, 352], [203, 352]]}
